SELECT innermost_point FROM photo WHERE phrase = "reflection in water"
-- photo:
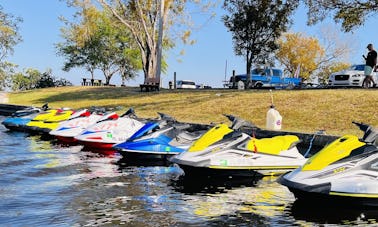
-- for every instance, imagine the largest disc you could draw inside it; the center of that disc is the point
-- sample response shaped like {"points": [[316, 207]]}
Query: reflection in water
{"points": [[333, 213], [263, 198]]}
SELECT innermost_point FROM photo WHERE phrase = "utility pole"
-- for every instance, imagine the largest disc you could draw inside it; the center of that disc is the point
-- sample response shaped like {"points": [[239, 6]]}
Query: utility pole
{"points": [[160, 41]]}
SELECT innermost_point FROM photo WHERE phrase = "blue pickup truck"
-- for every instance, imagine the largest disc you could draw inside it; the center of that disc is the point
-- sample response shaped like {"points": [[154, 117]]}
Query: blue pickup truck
{"points": [[265, 78]]}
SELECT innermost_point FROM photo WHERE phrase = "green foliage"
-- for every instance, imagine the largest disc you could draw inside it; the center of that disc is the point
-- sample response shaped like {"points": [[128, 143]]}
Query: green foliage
{"points": [[9, 35], [25, 81], [256, 25], [154, 26], [99, 42], [351, 14], [32, 78]]}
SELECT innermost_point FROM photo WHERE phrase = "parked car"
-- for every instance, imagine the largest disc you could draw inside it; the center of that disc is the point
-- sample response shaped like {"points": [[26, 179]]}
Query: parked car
{"points": [[351, 77], [267, 78], [186, 84]]}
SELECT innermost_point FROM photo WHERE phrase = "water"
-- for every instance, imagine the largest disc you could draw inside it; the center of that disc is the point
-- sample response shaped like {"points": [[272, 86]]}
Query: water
{"points": [[47, 184]]}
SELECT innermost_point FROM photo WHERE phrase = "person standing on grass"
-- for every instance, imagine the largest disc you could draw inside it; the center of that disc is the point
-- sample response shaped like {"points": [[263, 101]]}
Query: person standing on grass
{"points": [[371, 62]]}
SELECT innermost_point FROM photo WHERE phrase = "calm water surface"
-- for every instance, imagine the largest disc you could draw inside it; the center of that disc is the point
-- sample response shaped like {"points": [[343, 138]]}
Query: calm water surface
{"points": [[46, 184]]}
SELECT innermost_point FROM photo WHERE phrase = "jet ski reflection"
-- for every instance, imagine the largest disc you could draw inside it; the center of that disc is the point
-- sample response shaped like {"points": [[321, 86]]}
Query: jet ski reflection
{"points": [[332, 213]]}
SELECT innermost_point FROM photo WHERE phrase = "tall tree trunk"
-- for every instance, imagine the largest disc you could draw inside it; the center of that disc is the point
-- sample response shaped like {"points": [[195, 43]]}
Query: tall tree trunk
{"points": [[248, 66]]}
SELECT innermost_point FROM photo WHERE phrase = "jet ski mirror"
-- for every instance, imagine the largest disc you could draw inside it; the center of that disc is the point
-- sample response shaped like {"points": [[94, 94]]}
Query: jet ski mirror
{"points": [[165, 117], [370, 133], [45, 106], [130, 112]]}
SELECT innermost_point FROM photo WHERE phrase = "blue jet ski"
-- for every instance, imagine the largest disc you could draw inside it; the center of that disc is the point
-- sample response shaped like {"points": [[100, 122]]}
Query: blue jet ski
{"points": [[18, 120], [161, 139]]}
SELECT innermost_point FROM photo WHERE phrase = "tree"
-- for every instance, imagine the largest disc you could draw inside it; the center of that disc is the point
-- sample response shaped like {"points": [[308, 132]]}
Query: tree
{"points": [[325, 71], [314, 59], [9, 37], [296, 50], [32, 78], [255, 26], [46, 80], [351, 13], [98, 42], [26, 80], [150, 22]]}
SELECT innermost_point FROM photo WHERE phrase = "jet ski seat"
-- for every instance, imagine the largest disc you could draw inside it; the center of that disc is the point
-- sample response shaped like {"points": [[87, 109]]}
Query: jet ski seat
{"points": [[273, 145]]}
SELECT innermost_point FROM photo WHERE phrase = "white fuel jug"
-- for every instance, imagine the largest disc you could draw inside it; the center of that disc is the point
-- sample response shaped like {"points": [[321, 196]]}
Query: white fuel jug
{"points": [[273, 119]]}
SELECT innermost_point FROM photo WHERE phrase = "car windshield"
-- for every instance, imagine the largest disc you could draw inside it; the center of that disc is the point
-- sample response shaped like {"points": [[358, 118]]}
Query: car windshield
{"points": [[188, 83], [267, 72], [238, 78], [358, 67]]}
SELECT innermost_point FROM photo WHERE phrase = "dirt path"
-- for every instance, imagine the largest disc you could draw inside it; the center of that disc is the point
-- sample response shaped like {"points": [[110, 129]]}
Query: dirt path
{"points": [[3, 97]]}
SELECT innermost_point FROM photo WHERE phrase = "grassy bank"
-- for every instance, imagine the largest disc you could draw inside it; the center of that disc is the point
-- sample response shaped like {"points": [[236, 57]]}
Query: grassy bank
{"points": [[332, 110]]}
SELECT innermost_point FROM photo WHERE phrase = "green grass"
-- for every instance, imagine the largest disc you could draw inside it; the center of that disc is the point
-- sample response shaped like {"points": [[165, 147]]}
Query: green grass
{"points": [[308, 111]]}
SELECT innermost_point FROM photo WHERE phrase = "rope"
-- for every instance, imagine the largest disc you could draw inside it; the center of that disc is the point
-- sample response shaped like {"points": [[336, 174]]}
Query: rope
{"points": [[320, 132]]}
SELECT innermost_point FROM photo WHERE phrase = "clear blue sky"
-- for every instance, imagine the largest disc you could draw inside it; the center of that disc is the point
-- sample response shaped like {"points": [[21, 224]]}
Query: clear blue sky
{"points": [[204, 62]]}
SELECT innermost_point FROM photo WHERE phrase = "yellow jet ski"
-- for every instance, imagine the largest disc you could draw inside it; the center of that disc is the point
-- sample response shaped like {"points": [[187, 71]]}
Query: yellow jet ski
{"points": [[49, 120], [343, 172], [228, 150]]}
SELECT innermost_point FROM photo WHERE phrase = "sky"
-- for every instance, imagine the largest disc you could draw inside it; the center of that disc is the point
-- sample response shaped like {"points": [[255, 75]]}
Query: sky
{"points": [[209, 61]]}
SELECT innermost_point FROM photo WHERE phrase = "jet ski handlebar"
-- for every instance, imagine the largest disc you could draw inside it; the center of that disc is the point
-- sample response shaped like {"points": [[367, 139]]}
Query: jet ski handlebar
{"points": [[370, 133], [237, 122]]}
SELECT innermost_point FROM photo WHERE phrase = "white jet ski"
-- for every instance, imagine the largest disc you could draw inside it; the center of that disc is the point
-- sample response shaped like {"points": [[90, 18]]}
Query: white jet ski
{"points": [[76, 124], [228, 150], [343, 172], [111, 129]]}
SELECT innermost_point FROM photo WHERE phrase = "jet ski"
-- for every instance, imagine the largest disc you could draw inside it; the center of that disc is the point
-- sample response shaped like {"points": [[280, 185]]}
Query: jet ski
{"points": [[228, 150], [109, 130], [20, 118], [161, 139], [76, 124], [345, 171], [49, 120]]}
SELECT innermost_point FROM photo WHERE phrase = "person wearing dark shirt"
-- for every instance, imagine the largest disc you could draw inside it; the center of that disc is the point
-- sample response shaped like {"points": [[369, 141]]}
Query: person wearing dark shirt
{"points": [[371, 62]]}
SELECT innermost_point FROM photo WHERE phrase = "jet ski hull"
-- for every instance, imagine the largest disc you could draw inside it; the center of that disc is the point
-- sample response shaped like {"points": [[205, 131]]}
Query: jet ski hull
{"points": [[192, 171], [15, 124], [323, 194], [146, 155], [97, 145], [148, 149], [66, 139]]}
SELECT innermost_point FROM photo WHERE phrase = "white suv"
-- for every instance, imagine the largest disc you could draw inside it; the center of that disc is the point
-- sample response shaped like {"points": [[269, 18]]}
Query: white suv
{"points": [[352, 77], [186, 84]]}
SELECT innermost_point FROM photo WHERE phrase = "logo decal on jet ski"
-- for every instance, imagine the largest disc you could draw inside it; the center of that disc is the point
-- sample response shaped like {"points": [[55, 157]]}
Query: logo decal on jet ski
{"points": [[339, 170], [223, 162]]}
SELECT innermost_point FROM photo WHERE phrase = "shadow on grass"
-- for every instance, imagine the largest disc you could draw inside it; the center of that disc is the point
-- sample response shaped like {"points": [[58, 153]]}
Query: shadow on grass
{"points": [[94, 95]]}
